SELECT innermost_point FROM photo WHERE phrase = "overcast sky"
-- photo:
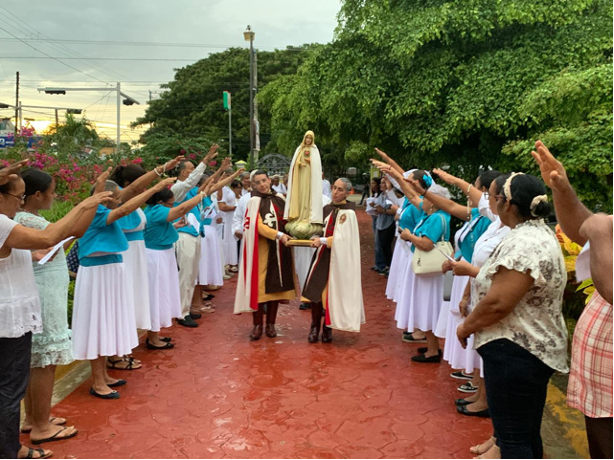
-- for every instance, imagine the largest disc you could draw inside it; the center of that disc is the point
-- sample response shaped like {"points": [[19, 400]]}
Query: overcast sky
{"points": [[217, 23]]}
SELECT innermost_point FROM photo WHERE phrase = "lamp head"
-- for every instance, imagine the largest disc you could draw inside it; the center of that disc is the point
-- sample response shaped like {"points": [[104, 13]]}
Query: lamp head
{"points": [[249, 34]]}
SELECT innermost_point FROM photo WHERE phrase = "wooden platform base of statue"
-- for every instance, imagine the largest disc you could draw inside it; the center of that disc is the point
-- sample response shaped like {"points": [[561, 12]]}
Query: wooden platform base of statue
{"points": [[302, 243]]}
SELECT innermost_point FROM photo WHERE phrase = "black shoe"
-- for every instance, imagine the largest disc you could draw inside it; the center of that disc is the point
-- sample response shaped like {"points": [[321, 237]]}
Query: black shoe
{"points": [[187, 322], [423, 359], [460, 375], [423, 350], [166, 339], [305, 306], [166, 346], [327, 334], [119, 383], [482, 413], [462, 402], [208, 297], [410, 339], [195, 315], [113, 395]]}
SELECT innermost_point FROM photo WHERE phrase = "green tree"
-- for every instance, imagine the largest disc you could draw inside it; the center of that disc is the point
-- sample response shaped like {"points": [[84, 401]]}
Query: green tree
{"points": [[71, 137], [191, 111], [459, 82]]}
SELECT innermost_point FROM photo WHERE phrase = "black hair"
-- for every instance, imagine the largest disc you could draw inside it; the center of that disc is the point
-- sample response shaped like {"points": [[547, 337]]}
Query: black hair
{"points": [[36, 181], [524, 188], [163, 195], [127, 174], [378, 181], [261, 171], [487, 177], [235, 184], [500, 182], [419, 176]]}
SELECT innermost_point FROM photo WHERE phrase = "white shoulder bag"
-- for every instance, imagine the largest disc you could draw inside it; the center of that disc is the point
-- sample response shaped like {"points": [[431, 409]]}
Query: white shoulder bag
{"points": [[430, 262]]}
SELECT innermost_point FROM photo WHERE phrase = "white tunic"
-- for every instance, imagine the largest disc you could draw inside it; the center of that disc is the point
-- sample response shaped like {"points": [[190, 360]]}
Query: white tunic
{"points": [[20, 309]]}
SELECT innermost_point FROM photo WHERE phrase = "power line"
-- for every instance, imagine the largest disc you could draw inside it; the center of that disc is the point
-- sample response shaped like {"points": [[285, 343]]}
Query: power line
{"points": [[97, 58], [157, 44]]}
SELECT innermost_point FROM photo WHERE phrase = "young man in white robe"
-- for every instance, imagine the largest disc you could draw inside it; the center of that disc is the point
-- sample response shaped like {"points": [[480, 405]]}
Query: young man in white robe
{"points": [[334, 281]]}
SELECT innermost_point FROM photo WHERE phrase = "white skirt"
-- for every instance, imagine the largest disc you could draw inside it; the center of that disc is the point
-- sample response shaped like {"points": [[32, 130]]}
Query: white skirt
{"points": [[135, 261], [231, 256], [164, 298], [302, 263], [420, 302], [103, 322], [457, 356], [450, 309], [397, 268], [210, 269], [403, 288]]}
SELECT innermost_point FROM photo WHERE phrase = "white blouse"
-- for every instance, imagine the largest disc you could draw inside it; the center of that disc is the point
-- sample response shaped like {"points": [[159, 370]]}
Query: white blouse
{"points": [[536, 323], [20, 309]]}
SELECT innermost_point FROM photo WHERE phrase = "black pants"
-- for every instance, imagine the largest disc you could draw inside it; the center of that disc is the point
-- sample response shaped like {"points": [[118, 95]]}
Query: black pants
{"points": [[14, 375], [384, 241], [516, 385], [599, 434]]}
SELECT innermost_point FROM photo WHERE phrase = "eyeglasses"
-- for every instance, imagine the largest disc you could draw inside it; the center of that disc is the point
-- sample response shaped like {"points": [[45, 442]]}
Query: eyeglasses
{"points": [[500, 197], [20, 198]]}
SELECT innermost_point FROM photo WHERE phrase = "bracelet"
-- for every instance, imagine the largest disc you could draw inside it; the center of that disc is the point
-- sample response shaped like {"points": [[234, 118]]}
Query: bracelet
{"points": [[156, 171], [164, 167]]}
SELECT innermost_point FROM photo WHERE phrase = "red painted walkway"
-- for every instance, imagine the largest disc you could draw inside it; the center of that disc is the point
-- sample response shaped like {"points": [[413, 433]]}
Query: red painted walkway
{"points": [[218, 395]]}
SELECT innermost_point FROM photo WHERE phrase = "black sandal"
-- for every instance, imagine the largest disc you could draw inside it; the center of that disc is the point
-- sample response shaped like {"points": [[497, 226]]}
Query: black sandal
{"points": [[41, 452], [55, 437], [166, 339], [166, 346], [129, 367]]}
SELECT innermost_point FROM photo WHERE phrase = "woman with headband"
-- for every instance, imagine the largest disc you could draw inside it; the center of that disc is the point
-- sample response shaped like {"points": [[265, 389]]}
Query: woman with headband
{"points": [[519, 328]]}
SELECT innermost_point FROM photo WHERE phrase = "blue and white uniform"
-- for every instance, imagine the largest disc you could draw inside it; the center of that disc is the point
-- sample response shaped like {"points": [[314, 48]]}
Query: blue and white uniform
{"points": [[135, 260], [210, 269], [103, 320], [160, 237], [420, 301]]}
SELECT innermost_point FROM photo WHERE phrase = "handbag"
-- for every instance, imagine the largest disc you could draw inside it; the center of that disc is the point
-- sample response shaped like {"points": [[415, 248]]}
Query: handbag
{"points": [[430, 262], [72, 258]]}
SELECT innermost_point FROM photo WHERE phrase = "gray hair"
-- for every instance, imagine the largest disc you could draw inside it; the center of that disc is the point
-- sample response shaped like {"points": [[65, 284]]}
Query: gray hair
{"points": [[109, 186], [347, 183]]}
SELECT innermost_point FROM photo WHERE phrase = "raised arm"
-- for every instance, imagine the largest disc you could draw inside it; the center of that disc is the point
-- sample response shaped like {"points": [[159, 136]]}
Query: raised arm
{"points": [[406, 188], [28, 238], [181, 189], [468, 189], [389, 161], [570, 212], [212, 188], [442, 203], [185, 207], [10, 172], [138, 201], [132, 190]]}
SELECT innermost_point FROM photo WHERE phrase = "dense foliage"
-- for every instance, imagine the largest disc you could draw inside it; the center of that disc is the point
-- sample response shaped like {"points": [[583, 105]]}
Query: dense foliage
{"points": [[469, 83]]}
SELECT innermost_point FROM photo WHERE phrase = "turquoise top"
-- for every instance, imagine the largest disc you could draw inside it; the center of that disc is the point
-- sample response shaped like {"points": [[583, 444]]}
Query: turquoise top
{"points": [[410, 216], [129, 223], [433, 227], [159, 233], [188, 228], [207, 202], [101, 237], [468, 238]]}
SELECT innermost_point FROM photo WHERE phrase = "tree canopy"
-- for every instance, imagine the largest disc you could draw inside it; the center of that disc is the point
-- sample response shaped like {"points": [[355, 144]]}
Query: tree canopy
{"points": [[468, 83], [191, 113]]}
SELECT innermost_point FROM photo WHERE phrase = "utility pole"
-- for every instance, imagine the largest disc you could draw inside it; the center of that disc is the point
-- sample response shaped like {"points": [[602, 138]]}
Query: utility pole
{"points": [[256, 122], [228, 106], [119, 100], [249, 35], [57, 120], [16, 104]]}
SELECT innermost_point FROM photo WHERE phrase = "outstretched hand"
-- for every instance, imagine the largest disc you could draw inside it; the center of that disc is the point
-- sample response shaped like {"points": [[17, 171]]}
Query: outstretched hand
{"points": [[101, 181], [553, 172], [173, 163], [10, 172], [96, 199], [444, 176], [164, 184], [212, 154], [382, 154]]}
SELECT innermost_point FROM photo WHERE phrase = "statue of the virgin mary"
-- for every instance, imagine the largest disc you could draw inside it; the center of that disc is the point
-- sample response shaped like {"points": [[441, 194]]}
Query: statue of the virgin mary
{"points": [[303, 210]]}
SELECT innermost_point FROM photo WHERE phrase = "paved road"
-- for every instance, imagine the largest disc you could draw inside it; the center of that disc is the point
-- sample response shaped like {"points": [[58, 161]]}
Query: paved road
{"points": [[218, 395]]}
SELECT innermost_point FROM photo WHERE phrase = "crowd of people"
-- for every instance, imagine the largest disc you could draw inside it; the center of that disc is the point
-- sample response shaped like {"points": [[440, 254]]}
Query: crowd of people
{"points": [[147, 256], [503, 325]]}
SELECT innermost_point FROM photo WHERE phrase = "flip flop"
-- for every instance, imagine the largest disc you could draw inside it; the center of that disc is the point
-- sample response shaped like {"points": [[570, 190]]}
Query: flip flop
{"points": [[131, 366], [52, 420], [55, 437], [41, 452]]}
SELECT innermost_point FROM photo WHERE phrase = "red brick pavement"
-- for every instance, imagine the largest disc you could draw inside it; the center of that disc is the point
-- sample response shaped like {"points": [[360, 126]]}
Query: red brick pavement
{"points": [[218, 395]]}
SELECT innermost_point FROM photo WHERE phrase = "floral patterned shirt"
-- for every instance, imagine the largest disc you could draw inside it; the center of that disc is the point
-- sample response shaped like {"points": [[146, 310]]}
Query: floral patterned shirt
{"points": [[536, 323]]}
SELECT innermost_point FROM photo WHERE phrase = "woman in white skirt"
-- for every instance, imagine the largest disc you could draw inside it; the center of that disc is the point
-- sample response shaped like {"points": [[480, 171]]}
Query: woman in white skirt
{"points": [[210, 272], [103, 319], [423, 294], [409, 216], [132, 179], [160, 236], [227, 206]]}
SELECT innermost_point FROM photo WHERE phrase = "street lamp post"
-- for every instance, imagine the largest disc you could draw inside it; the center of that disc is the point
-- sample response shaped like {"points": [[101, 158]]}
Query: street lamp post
{"points": [[249, 36], [127, 101], [20, 108]]}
